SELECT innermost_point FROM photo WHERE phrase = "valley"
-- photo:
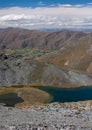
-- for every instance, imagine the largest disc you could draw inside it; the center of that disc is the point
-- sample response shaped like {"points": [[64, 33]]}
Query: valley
{"points": [[62, 59]]}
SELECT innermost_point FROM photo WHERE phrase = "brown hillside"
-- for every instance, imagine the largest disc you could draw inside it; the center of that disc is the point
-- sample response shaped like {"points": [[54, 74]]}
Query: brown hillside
{"points": [[75, 54], [15, 38]]}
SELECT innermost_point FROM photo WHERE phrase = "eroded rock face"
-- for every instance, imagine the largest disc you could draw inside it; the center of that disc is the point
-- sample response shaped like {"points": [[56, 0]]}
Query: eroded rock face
{"points": [[79, 77], [89, 69], [21, 71]]}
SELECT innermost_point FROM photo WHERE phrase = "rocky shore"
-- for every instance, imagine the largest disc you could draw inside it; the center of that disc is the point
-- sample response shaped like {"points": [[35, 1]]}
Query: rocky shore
{"points": [[49, 117]]}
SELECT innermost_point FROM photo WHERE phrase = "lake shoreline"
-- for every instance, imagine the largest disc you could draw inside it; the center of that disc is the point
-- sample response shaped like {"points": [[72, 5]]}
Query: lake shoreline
{"points": [[47, 97]]}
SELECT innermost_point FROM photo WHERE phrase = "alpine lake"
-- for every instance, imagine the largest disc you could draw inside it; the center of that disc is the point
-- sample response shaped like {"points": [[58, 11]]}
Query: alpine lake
{"points": [[60, 95]]}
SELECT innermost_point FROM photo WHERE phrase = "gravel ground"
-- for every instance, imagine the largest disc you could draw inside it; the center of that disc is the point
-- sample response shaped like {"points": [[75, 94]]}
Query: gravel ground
{"points": [[50, 117]]}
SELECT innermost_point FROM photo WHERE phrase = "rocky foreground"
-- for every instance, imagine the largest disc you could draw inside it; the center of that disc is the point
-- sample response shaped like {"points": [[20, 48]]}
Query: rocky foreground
{"points": [[50, 117]]}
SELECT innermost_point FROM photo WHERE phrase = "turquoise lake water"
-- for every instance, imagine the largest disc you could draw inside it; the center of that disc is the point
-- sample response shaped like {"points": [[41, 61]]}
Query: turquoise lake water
{"points": [[69, 95], [58, 95]]}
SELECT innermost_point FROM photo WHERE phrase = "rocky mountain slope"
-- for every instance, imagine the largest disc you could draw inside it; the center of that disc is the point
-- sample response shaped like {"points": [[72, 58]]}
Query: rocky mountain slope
{"points": [[21, 71], [66, 60]]}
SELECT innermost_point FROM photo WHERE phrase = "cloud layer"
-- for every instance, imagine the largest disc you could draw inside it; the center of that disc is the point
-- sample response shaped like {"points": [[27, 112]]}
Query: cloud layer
{"points": [[61, 16]]}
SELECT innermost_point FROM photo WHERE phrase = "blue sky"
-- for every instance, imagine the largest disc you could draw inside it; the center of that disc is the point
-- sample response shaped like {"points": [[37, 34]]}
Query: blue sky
{"points": [[34, 14], [35, 3]]}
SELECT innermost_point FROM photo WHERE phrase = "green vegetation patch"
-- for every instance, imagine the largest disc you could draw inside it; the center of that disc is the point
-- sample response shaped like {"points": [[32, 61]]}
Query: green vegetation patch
{"points": [[26, 52]]}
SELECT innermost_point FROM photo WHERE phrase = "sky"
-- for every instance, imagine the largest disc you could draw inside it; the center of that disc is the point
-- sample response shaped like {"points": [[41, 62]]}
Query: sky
{"points": [[35, 14]]}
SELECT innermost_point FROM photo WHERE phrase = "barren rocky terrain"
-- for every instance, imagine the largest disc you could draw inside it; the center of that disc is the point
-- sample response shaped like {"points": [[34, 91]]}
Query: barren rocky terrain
{"points": [[50, 117]]}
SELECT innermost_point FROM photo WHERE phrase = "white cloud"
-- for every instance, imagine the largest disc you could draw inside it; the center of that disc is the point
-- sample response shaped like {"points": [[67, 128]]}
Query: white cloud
{"points": [[41, 3], [61, 16], [64, 5]]}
